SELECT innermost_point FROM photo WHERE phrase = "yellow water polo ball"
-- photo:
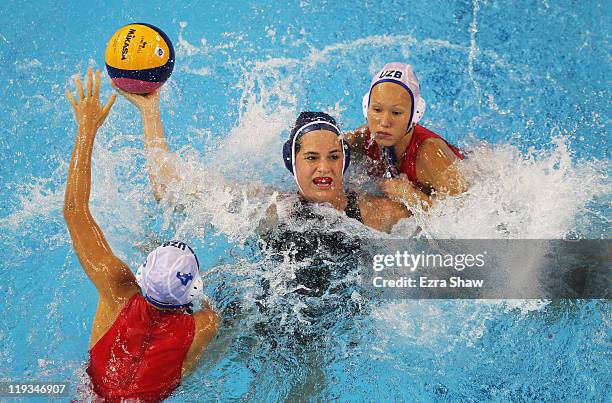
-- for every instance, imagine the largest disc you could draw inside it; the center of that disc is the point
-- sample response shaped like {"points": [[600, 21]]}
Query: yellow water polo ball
{"points": [[139, 58]]}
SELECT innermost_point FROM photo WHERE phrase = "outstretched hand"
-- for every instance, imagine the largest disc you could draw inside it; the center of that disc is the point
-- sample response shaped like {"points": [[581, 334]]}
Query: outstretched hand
{"points": [[88, 111], [143, 102]]}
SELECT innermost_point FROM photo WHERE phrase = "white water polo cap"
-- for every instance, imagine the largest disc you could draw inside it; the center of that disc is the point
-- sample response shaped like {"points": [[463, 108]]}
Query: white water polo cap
{"points": [[401, 74], [170, 277]]}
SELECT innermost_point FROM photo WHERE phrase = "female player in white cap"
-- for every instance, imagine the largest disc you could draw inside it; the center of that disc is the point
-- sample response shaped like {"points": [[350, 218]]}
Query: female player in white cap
{"points": [[396, 146], [144, 337]]}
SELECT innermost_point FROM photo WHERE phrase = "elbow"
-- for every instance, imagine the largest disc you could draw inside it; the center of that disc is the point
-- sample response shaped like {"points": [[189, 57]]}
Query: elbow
{"points": [[70, 211], [158, 197], [457, 184], [452, 186], [73, 212], [214, 321], [159, 191], [460, 186], [212, 324], [423, 206]]}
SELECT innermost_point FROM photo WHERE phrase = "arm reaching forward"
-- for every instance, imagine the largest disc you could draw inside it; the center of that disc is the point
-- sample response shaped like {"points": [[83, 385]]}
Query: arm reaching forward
{"points": [[110, 275]]}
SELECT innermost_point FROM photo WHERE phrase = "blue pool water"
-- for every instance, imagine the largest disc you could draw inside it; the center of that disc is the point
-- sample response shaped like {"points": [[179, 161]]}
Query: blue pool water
{"points": [[522, 85]]}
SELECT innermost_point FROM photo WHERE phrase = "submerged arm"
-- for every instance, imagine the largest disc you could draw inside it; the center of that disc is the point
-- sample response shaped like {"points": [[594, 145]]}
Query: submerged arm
{"points": [[110, 275], [402, 190], [381, 213]]}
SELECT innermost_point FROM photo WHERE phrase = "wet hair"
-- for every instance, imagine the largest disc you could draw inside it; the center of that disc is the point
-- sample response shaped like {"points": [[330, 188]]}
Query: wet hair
{"points": [[308, 117]]}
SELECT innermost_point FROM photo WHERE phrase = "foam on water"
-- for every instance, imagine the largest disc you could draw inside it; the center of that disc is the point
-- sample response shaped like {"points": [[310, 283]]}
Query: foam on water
{"points": [[540, 195]]}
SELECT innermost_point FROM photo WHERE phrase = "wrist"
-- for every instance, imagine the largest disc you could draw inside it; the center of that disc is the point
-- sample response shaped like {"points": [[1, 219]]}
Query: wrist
{"points": [[150, 109], [87, 128]]}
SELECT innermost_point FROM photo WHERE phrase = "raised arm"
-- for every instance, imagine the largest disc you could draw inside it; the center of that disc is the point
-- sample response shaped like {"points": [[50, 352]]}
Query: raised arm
{"points": [[161, 163], [110, 275]]}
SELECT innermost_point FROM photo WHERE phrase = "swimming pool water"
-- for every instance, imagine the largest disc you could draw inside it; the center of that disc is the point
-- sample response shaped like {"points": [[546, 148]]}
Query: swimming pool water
{"points": [[522, 85]]}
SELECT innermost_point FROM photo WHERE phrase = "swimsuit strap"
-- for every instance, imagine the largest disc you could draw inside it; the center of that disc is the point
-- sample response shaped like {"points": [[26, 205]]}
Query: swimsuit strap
{"points": [[351, 210], [352, 207]]}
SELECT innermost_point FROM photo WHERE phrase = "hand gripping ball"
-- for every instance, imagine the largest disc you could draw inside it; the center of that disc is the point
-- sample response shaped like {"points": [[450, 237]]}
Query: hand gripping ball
{"points": [[139, 58]]}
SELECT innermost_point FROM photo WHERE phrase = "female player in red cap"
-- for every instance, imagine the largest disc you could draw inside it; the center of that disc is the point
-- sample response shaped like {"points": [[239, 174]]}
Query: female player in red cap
{"points": [[143, 339]]}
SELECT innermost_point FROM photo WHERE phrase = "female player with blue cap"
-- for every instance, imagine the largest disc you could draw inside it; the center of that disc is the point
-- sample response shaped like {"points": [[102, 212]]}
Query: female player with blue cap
{"points": [[396, 146], [144, 337]]}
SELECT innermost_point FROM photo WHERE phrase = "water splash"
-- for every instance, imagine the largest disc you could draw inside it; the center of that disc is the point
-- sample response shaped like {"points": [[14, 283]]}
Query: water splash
{"points": [[539, 194]]}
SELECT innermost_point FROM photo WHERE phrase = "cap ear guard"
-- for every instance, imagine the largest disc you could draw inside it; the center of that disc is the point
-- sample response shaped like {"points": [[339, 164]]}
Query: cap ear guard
{"points": [[419, 111], [197, 288], [287, 155], [347, 155], [365, 104], [139, 276]]}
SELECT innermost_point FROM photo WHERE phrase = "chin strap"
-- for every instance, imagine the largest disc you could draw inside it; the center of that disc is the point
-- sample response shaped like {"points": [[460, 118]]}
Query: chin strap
{"points": [[387, 154]]}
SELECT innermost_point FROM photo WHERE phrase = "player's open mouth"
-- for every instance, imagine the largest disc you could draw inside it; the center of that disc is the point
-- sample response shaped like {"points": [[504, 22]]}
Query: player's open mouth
{"points": [[322, 182]]}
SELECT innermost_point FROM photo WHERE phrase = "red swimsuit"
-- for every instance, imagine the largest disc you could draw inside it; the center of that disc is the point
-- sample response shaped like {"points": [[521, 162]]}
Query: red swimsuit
{"points": [[419, 135], [142, 354]]}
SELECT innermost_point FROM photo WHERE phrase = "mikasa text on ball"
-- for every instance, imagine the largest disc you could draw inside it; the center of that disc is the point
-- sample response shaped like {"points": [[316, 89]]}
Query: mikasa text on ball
{"points": [[139, 58]]}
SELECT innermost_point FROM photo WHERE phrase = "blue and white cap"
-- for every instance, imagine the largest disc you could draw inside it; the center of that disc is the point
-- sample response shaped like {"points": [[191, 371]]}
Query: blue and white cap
{"points": [[170, 277]]}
